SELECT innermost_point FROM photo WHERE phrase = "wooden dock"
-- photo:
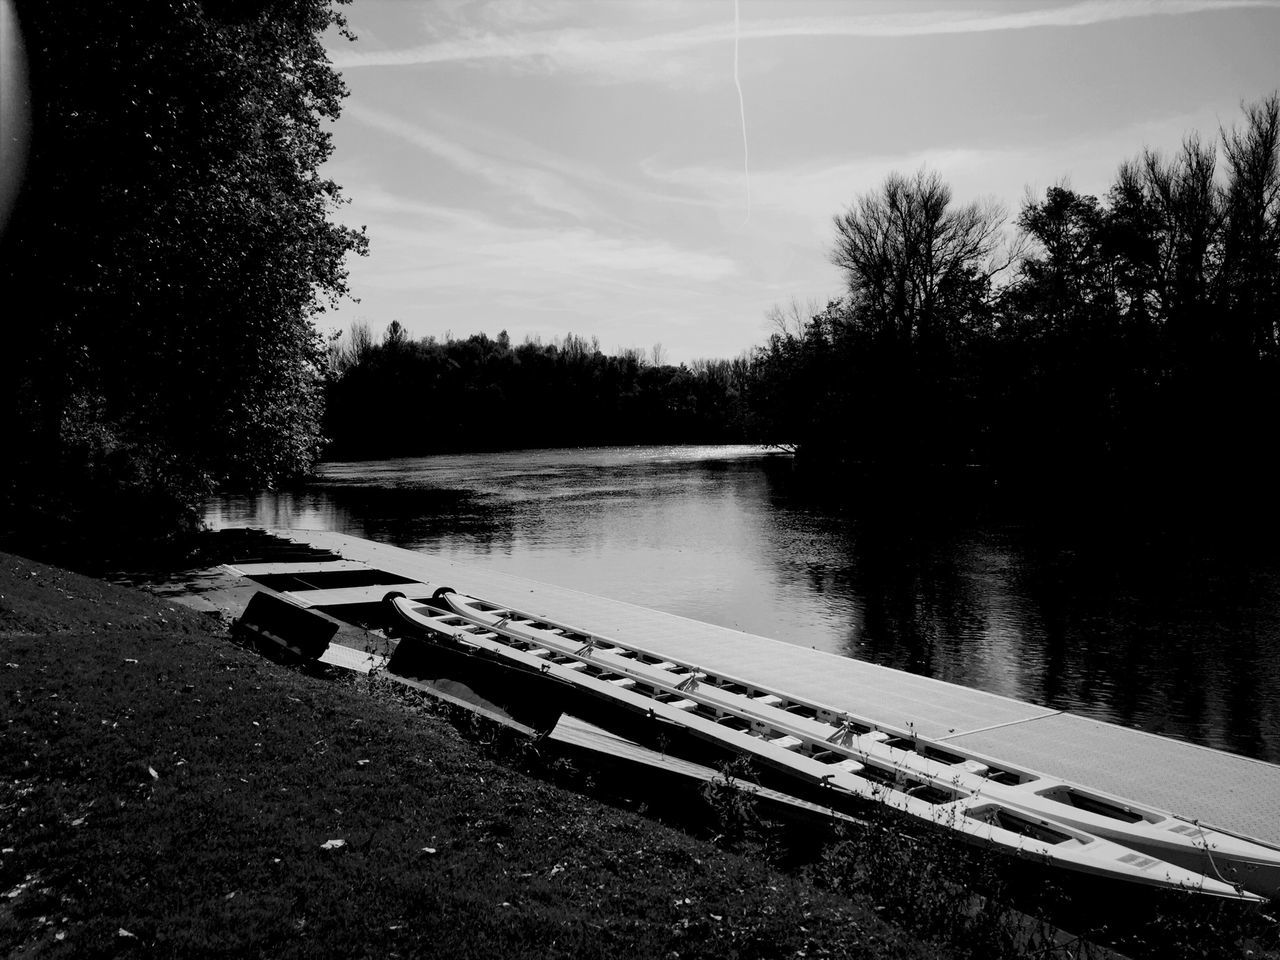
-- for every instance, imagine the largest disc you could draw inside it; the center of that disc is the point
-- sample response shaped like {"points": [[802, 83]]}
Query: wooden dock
{"points": [[1229, 792]]}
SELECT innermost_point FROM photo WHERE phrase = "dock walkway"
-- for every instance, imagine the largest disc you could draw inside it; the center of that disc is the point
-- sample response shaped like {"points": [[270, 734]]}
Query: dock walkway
{"points": [[1224, 790]]}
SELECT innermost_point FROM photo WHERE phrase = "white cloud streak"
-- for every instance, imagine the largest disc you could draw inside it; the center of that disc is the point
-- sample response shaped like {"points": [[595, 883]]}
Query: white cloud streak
{"points": [[630, 57], [813, 190], [548, 180], [426, 246], [542, 189], [439, 267]]}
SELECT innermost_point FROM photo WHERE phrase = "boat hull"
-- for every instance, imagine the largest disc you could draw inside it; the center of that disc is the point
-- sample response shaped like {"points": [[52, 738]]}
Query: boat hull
{"points": [[1146, 830], [613, 701]]}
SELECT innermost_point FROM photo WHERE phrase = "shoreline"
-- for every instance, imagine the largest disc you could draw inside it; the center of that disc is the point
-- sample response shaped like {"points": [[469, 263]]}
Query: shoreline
{"points": [[164, 791]]}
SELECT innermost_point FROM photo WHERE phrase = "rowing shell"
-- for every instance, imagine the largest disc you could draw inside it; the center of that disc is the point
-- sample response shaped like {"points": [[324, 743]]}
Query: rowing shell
{"points": [[602, 673], [1157, 833]]}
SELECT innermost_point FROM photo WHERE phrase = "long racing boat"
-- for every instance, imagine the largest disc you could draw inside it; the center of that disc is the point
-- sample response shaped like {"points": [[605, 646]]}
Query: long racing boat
{"points": [[847, 760], [1239, 861]]}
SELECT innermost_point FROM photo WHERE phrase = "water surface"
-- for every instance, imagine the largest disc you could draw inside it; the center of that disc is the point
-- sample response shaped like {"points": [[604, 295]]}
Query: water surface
{"points": [[1148, 628]]}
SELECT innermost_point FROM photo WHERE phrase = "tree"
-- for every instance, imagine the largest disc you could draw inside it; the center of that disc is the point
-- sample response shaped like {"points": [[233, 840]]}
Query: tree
{"points": [[914, 264], [1251, 241], [176, 230], [1183, 195], [1066, 282], [920, 274], [395, 338], [1067, 357]]}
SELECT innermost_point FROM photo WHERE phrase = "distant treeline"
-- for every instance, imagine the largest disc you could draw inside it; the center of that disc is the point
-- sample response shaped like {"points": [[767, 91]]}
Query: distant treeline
{"points": [[394, 396], [1136, 333]]}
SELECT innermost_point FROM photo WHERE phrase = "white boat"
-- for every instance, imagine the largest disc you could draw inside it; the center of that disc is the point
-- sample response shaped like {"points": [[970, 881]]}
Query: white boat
{"points": [[808, 750], [1154, 832], [1239, 861]]}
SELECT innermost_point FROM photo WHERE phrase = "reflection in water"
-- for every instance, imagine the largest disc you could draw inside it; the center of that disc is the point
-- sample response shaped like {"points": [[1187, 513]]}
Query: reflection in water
{"points": [[1177, 638]]}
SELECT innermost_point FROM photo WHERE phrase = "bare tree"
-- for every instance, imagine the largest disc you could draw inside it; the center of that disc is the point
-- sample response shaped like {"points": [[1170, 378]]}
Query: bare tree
{"points": [[913, 262], [1185, 198], [658, 355], [361, 343], [350, 348], [631, 356], [1251, 242], [790, 320]]}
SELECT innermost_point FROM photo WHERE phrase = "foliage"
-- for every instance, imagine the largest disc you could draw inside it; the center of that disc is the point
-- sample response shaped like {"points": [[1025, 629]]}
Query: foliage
{"points": [[917, 267], [174, 231], [485, 393], [1134, 335], [736, 823]]}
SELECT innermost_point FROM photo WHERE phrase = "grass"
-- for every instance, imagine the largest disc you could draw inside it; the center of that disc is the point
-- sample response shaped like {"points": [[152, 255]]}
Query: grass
{"points": [[164, 792]]}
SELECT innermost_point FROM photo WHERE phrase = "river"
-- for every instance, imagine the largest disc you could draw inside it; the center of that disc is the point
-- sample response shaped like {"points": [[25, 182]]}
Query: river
{"points": [[1175, 635]]}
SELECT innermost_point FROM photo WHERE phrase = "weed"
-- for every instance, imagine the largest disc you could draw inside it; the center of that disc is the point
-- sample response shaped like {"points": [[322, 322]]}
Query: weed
{"points": [[735, 820]]}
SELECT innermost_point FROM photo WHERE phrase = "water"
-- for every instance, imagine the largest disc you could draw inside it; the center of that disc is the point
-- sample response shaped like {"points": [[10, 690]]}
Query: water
{"points": [[1148, 628]]}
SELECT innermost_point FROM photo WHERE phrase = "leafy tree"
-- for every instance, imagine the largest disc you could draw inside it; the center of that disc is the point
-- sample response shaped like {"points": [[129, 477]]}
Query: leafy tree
{"points": [[483, 393], [175, 230], [1066, 349]]}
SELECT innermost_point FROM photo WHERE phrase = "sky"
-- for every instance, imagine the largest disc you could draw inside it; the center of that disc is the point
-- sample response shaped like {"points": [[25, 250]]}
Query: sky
{"points": [[667, 172]]}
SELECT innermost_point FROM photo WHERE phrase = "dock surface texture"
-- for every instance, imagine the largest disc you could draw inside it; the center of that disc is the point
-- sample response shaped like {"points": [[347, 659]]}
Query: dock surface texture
{"points": [[1227, 791]]}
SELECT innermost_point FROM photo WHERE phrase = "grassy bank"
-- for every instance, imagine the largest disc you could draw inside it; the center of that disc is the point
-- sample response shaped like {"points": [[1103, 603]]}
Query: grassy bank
{"points": [[167, 793]]}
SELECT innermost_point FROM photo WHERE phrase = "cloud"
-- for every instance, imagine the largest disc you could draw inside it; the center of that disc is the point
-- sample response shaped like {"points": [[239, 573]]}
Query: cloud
{"points": [[538, 187], [438, 268], [814, 190], [546, 179], [615, 55], [807, 193], [421, 245]]}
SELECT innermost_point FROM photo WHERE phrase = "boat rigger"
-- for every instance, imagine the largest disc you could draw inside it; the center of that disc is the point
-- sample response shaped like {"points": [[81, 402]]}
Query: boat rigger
{"points": [[814, 745], [785, 718], [1225, 797]]}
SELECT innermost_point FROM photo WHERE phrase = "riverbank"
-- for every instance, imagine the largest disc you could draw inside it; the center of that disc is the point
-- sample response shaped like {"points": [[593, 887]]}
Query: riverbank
{"points": [[165, 792]]}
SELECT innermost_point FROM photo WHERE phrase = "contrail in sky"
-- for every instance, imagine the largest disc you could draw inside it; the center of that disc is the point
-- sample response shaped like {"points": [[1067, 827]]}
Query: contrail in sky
{"points": [[742, 109]]}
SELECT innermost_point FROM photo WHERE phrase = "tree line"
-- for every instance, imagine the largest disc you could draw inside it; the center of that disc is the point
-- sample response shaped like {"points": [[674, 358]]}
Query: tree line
{"points": [[1132, 336], [395, 396]]}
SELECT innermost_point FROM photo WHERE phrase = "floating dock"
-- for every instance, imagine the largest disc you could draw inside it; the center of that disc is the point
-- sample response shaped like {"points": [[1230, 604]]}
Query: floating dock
{"points": [[1228, 792]]}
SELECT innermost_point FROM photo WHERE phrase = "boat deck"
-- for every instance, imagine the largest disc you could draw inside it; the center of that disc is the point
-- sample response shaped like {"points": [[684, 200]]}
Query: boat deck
{"points": [[1224, 790]]}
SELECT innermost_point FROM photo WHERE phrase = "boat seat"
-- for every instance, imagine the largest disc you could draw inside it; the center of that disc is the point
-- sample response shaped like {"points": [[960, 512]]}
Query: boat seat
{"points": [[879, 736], [786, 741], [849, 766], [974, 767], [575, 665], [626, 683], [662, 665], [539, 652], [768, 700], [685, 705]]}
